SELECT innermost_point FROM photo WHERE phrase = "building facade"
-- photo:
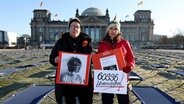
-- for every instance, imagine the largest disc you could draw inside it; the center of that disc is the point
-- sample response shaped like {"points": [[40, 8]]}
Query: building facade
{"points": [[7, 39], [45, 31]]}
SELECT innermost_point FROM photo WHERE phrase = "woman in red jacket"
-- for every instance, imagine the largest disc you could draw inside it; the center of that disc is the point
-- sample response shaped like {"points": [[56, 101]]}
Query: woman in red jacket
{"points": [[111, 41]]}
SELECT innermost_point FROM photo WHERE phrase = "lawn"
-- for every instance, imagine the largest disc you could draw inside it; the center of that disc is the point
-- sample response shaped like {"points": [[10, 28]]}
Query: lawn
{"points": [[146, 62]]}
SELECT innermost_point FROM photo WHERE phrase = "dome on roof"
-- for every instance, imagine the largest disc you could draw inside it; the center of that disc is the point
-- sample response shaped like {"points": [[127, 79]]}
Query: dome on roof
{"points": [[92, 12]]}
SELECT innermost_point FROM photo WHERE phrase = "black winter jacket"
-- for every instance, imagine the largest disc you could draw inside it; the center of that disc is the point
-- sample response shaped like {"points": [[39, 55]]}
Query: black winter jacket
{"points": [[69, 44]]}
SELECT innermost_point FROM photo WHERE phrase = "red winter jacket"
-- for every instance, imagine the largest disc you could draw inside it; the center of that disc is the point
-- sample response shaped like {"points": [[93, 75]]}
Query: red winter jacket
{"points": [[126, 48]]}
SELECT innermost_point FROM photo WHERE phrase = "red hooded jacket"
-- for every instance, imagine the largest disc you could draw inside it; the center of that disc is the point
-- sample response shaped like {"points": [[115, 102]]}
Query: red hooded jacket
{"points": [[124, 45]]}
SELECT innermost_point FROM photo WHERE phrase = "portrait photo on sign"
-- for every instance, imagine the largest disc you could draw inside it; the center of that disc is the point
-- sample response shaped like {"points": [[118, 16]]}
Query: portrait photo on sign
{"points": [[73, 68], [109, 63]]}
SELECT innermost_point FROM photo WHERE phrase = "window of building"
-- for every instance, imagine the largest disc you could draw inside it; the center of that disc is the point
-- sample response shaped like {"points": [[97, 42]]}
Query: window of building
{"points": [[52, 37], [86, 30], [143, 38], [51, 30], [40, 29], [41, 38], [132, 38], [92, 33], [97, 37]]}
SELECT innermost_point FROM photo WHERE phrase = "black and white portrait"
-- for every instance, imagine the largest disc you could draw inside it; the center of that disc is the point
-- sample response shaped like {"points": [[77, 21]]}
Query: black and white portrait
{"points": [[73, 68]]}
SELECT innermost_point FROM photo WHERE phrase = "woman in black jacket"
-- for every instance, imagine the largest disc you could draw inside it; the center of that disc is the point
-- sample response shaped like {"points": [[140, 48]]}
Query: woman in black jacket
{"points": [[76, 42]]}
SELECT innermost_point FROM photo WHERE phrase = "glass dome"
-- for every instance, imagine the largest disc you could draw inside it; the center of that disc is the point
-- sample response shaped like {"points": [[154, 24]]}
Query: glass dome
{"points": [[92, 12]]}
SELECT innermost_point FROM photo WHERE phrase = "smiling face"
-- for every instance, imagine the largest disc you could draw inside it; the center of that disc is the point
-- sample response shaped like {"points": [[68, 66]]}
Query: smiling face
{"points": [[113, 31], [75, 29]]}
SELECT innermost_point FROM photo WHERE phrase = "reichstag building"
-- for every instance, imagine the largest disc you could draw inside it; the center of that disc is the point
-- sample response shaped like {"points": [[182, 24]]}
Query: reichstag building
{"points": [[45, 31]]}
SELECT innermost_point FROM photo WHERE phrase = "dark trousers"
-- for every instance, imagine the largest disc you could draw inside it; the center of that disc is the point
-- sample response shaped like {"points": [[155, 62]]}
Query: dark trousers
{"points": [[84, 94], [108, 98]]}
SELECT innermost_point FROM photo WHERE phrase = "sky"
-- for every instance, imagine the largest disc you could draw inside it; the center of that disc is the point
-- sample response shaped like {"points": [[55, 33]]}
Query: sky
{"points": [[168, 15]]}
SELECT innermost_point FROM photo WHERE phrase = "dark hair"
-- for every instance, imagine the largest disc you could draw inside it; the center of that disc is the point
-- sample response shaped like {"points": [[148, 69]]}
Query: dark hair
{"points": [[74, 20], [74, 64]]}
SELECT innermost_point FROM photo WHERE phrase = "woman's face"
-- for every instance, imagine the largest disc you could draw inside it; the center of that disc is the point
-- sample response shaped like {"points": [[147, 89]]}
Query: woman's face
{"points": [[74, 29], [113, 32]]}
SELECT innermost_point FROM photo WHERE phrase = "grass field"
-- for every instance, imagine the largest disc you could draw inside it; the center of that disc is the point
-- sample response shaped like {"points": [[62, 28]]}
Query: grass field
{"points": [[145, 60]]}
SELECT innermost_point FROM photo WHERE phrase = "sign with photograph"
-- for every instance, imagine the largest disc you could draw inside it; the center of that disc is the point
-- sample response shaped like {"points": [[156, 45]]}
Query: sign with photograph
{"points": [[73, 68], [110, 81], [109, 59], [109, 63]]}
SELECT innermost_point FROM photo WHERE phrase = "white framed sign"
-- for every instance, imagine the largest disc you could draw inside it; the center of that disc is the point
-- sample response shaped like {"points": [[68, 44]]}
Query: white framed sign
{"points": [[110, 81]]}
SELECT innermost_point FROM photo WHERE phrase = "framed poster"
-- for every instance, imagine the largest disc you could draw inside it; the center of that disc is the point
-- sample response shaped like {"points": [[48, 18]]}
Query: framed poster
{"points": [[110, 81], [73, 68], [109, 63], [113, 59]]}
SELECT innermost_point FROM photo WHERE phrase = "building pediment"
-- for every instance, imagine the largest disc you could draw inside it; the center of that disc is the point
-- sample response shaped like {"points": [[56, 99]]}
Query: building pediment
{"points": [[92, 20]]}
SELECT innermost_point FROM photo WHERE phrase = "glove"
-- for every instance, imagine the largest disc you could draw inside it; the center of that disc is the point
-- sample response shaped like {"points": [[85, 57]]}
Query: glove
{"points": [[127, 69], [56, 60]]}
